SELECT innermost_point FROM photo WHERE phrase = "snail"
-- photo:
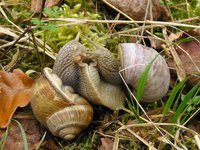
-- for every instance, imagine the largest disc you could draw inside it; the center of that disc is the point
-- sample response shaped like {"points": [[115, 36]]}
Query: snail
{"points": [[107, 64], [94, 75], [58, 108], [96, 90], [73, 72], [134, 58], [65, 65]]}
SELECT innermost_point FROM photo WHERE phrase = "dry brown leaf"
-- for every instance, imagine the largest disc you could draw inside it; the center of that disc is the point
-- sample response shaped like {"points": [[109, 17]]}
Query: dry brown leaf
{"points": [[33, 134], [15, 91], [51, 3], [107, 144], [189, 54], [176, 60], [137, 9], [36, 5]]}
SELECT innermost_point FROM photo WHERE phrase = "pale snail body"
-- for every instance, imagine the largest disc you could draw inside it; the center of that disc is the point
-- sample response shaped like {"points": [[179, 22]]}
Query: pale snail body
{"points": [[55, 106], [134, 58], [96, 90], [72, 74], [108, 65]]}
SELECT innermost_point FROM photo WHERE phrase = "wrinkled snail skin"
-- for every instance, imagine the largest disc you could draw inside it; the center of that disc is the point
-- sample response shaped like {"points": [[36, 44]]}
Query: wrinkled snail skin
{"points": [[134, 58], [108, 65], [65, 64], [65, 118], [96, 90]]}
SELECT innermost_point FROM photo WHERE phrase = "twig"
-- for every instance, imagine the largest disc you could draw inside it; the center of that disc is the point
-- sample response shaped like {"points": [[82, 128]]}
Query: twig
{"points": [[123, 22]]}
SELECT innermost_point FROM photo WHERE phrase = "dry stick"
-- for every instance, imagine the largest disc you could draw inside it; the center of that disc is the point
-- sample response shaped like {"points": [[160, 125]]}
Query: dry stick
{"points": [[117, 10], [150, 124], [145, 18], [198, 140], [83, 21], [195, 113], [27, 36], [116, 141], [189, 19], [37, 50], [179, 67], [195, 134], [136, 29], [187, 52], [17, 40], [169, 10], [150, 121], [3, 13], [137, 136], [159, 124], [178, 47]]}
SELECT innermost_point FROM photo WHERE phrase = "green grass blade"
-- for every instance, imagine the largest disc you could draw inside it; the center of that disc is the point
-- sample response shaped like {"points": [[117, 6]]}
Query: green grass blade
{"points": [[38, 146], [184, 103], [4, 137], [143, 78], [173, 96], [23, 135], [178, 99], [141, 82]]}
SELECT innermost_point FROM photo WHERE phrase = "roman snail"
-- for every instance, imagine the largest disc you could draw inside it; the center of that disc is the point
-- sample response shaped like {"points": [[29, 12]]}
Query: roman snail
{"points": [[58, 108], [94, 75], [91, 74], [97, 90], [107, 64], [134, 58], [65, 65]]}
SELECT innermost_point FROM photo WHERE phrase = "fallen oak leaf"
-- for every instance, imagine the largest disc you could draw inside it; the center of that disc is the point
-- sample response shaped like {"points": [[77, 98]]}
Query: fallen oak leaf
{"points": [[32, 130], [188, 50], [137, 9], [107, 144], [15, 91], [36, 5]]}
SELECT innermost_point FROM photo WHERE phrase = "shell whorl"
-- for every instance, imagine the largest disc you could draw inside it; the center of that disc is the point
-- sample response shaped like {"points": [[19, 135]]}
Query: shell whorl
{"points": [[56, 111], [70, 121], [134, 58]]}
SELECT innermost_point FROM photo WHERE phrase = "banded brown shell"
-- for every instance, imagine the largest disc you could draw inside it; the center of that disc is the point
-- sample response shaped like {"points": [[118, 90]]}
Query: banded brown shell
{"points": [[58, 108]]}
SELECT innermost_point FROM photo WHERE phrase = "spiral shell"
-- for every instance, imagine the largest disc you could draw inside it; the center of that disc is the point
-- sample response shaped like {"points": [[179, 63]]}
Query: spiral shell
{"points": [[134, 58], [58, 108], [96, 90]]}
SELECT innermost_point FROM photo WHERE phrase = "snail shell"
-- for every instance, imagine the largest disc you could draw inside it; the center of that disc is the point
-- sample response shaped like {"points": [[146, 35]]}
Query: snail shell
{"points": [[134, 58], [96, 90], [65, 65], [55, 106]]}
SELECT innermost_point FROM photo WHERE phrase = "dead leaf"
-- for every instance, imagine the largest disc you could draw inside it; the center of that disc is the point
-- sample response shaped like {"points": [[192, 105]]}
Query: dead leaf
{"points": [[15, 91], [176, 60], [36, 5], [107, 144], [33, 135], [51, 3], [189, 54], [137, 9]]}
